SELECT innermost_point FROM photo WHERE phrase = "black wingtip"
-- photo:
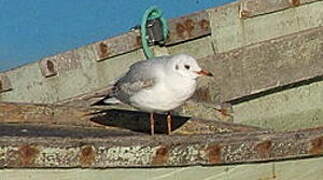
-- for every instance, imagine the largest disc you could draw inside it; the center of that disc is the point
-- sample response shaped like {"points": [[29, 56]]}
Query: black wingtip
{"points": [[101, 102]]}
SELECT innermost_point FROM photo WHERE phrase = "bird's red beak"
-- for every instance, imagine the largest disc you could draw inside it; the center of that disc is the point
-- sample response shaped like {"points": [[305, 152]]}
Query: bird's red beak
{"points": [[203, 72]]}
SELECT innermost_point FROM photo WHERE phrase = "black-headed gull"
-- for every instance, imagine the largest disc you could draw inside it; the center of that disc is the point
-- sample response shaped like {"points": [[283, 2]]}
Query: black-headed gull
{"points": [[159, 84]]}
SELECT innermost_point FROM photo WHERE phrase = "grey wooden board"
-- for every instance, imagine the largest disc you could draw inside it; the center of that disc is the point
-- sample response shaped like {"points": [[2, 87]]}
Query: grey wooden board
{"points": [[229, 31], [299, 107], [250, 8], [309, 169]]}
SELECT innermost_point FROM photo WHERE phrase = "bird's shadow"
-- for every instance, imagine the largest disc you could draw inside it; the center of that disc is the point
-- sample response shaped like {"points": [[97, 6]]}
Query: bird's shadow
{"points": [[136, 121]]}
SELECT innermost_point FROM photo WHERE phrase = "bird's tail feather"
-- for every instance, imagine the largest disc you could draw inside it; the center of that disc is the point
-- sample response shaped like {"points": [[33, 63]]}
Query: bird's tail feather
{"points": [[112, 101], [107, 100]]}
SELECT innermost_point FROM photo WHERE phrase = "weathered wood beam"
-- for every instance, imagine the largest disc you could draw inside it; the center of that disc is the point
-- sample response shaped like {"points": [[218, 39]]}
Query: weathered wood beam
{"points": [[101, 150], [264, 66], [181, 29], [45, 114], [251, 8]]}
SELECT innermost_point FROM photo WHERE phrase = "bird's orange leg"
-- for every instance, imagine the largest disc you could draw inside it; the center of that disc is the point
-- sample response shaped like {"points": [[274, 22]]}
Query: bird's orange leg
{"points": [[169, 123], [152, 124]]}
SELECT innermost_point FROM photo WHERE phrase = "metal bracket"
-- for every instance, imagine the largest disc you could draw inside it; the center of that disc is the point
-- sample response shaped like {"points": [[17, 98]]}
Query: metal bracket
{"points": [[155, 32], [60, 63], [48, 67], [5, 84]]}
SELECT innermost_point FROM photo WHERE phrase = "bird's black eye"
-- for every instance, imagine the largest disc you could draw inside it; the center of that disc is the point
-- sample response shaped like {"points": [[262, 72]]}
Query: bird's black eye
{"points": [[187, 66]]}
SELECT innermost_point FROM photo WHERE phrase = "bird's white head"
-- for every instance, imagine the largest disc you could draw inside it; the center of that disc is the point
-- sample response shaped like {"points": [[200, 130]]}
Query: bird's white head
{"points": [[186, 66]]}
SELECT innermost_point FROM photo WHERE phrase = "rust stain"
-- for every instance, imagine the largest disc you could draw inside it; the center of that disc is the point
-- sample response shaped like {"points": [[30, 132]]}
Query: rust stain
{"points": [[226, 113], [295, 2], [244, 13], [87, 155], [50, 66], [204, 25], [180, 29], [189, 24], [138, 41], [161, 156], [214, 153], [223, 111], [103, 50], [27, 155], [316, 146], [10, 108], [264, 148], [185, 28]]}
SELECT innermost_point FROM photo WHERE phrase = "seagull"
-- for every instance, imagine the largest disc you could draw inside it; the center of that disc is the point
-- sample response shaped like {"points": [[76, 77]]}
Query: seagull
{"points": [[159, 84]]}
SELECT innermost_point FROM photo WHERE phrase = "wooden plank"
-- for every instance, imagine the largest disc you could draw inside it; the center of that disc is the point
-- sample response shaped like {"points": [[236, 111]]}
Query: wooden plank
{"points": [[266, 66], [60, 63], [109, 118], [103, 150], [124, 43], [189, 27], [45, 114], [251, 8], [229, 31], [181, 29]]}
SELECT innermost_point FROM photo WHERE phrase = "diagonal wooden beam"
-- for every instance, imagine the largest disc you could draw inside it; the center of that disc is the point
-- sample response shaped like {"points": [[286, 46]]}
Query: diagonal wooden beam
{"points": [[48, 115]]}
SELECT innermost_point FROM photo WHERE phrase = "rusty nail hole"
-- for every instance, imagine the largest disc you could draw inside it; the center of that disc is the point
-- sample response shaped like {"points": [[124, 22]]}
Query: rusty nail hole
{"points": [[316, 146], [214, 153], [187, 26], [264, 148], [50, 66], [161, 156], [27, 154], [180, 29], [189, 23], [244, 13], [87, 155], [295, 2], [103, 49], [204, 24]]}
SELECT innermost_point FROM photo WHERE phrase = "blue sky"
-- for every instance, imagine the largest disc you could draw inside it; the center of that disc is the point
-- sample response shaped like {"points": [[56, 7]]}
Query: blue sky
{"points": [[32, 29]]}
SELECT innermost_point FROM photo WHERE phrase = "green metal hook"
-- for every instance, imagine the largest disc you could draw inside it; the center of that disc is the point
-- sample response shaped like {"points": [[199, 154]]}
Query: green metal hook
{"points": [[151, 13]]}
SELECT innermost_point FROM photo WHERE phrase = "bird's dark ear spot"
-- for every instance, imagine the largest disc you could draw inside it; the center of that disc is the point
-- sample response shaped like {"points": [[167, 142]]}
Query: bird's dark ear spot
{"points": [[176, 67]]}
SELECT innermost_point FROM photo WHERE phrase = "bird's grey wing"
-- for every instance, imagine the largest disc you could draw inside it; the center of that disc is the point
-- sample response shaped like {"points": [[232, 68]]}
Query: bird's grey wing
{"points": [[140, 76]]}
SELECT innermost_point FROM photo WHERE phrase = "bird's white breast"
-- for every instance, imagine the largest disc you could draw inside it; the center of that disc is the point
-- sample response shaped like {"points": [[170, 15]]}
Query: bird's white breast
{"points": [[165, 95]]}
